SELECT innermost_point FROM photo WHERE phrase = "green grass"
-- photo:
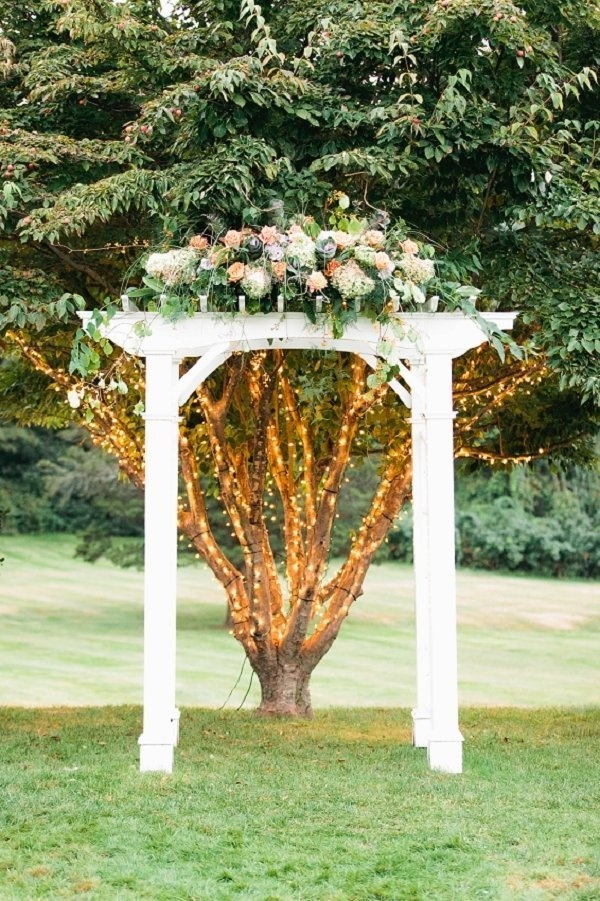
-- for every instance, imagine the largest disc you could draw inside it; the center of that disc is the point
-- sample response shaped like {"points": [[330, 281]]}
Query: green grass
{"points": [[337, 809], [70, 633], [333, 809]]}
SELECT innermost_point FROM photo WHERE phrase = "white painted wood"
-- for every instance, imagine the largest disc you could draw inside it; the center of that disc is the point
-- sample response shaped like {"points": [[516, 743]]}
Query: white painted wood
{"points": [[161, 717], [421, 713], [212, 338], [396, 386], [406, 374], [399, 389], [201, 369], [175, 723], [444, 749], [193, 336], [156, 758]]}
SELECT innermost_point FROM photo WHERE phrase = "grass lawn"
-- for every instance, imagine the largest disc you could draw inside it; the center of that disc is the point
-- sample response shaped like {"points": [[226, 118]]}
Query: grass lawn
{"points": [[70, 633], [336, 809]]}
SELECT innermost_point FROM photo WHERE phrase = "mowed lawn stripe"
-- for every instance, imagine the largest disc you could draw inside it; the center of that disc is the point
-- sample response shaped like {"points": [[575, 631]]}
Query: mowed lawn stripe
{"points": [[71, 633]]}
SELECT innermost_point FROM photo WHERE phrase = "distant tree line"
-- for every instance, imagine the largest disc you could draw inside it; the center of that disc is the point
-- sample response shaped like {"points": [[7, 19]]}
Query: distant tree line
{"points": [[57, 481], [541, 518]]}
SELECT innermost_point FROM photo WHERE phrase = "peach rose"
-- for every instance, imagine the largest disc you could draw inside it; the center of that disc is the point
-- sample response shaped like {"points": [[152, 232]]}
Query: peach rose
{"points": [[199, 242], [278, 269], [316, 281], [268, 234], [343, 239], [382, 261], [409, 246], [236, 272], [232, 238], [374, 238]]}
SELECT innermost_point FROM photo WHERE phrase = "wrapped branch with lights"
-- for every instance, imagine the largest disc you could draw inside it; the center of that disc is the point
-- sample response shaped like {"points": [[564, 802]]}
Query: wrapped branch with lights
{"points": [[262, 440]]}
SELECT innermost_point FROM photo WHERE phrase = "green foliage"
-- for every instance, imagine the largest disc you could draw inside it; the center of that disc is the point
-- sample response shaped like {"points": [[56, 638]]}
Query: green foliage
{"points": [[542, 519], [474, 123], [58, 482], [503, 536], [536, 519], [22, 506]]}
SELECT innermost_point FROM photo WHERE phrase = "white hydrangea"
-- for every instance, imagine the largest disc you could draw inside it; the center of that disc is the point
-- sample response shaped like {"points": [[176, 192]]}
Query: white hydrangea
{"points": [[173, 267], [365, 255], [352, 282], [256, 282], [414, 268], [301, 251]]}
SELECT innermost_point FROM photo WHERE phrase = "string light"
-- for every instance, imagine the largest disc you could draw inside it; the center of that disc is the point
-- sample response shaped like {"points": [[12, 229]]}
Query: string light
{"points": [[300, 492]]}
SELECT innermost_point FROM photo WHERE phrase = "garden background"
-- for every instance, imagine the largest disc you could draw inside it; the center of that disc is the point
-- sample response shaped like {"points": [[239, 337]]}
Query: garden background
{"points": [[474, 125]]}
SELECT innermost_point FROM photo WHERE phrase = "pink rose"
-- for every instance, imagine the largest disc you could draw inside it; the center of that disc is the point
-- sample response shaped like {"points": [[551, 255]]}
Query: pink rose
{"points": [[269, 234]]}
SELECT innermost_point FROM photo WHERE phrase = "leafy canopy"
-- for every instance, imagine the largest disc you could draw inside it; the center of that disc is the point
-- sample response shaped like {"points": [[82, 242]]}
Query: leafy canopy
{"points": [[474, 123]]}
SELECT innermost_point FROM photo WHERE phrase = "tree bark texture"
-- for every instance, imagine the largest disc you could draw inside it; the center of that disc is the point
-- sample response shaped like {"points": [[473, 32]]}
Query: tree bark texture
{"points": [[285, 690], [285, 631]]}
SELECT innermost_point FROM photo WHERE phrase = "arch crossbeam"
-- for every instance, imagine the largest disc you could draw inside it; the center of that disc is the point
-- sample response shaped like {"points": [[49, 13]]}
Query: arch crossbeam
{"points": [[421, 346]]}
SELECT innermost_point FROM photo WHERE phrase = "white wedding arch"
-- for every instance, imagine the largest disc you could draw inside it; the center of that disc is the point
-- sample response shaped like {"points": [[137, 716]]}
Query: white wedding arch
{"points": [[424, 387]]}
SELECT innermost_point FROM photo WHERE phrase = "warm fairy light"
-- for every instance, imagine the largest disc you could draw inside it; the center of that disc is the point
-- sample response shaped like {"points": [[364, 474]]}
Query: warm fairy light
{"points": [[305, 503]]}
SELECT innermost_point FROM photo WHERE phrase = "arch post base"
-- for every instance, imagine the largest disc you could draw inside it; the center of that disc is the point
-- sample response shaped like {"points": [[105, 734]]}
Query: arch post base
{"points": [[445, 756], [155, 758]]}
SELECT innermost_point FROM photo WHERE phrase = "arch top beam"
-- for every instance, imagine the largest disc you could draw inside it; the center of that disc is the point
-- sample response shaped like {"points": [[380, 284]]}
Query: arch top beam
{"points": [[409, 338]]}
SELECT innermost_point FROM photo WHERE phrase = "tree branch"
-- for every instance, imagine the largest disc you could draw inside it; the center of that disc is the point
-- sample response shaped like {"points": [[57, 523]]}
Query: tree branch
{"points": [[346, 587], [67, 259], [195, 525], [318, 537]]}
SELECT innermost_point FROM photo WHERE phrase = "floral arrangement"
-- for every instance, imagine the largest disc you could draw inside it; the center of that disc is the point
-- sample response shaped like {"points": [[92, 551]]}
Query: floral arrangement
{"points": [[354, 266]]}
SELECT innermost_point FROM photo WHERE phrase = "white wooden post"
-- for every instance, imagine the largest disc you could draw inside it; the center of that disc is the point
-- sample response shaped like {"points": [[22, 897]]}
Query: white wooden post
{"points": [[444, 751], [421, 714], [161, 717]]}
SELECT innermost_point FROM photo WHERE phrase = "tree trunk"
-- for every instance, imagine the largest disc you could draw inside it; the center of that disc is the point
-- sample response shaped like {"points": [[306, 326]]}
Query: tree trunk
{"points": [[285, 690], [273, 621], [228, 622]]}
